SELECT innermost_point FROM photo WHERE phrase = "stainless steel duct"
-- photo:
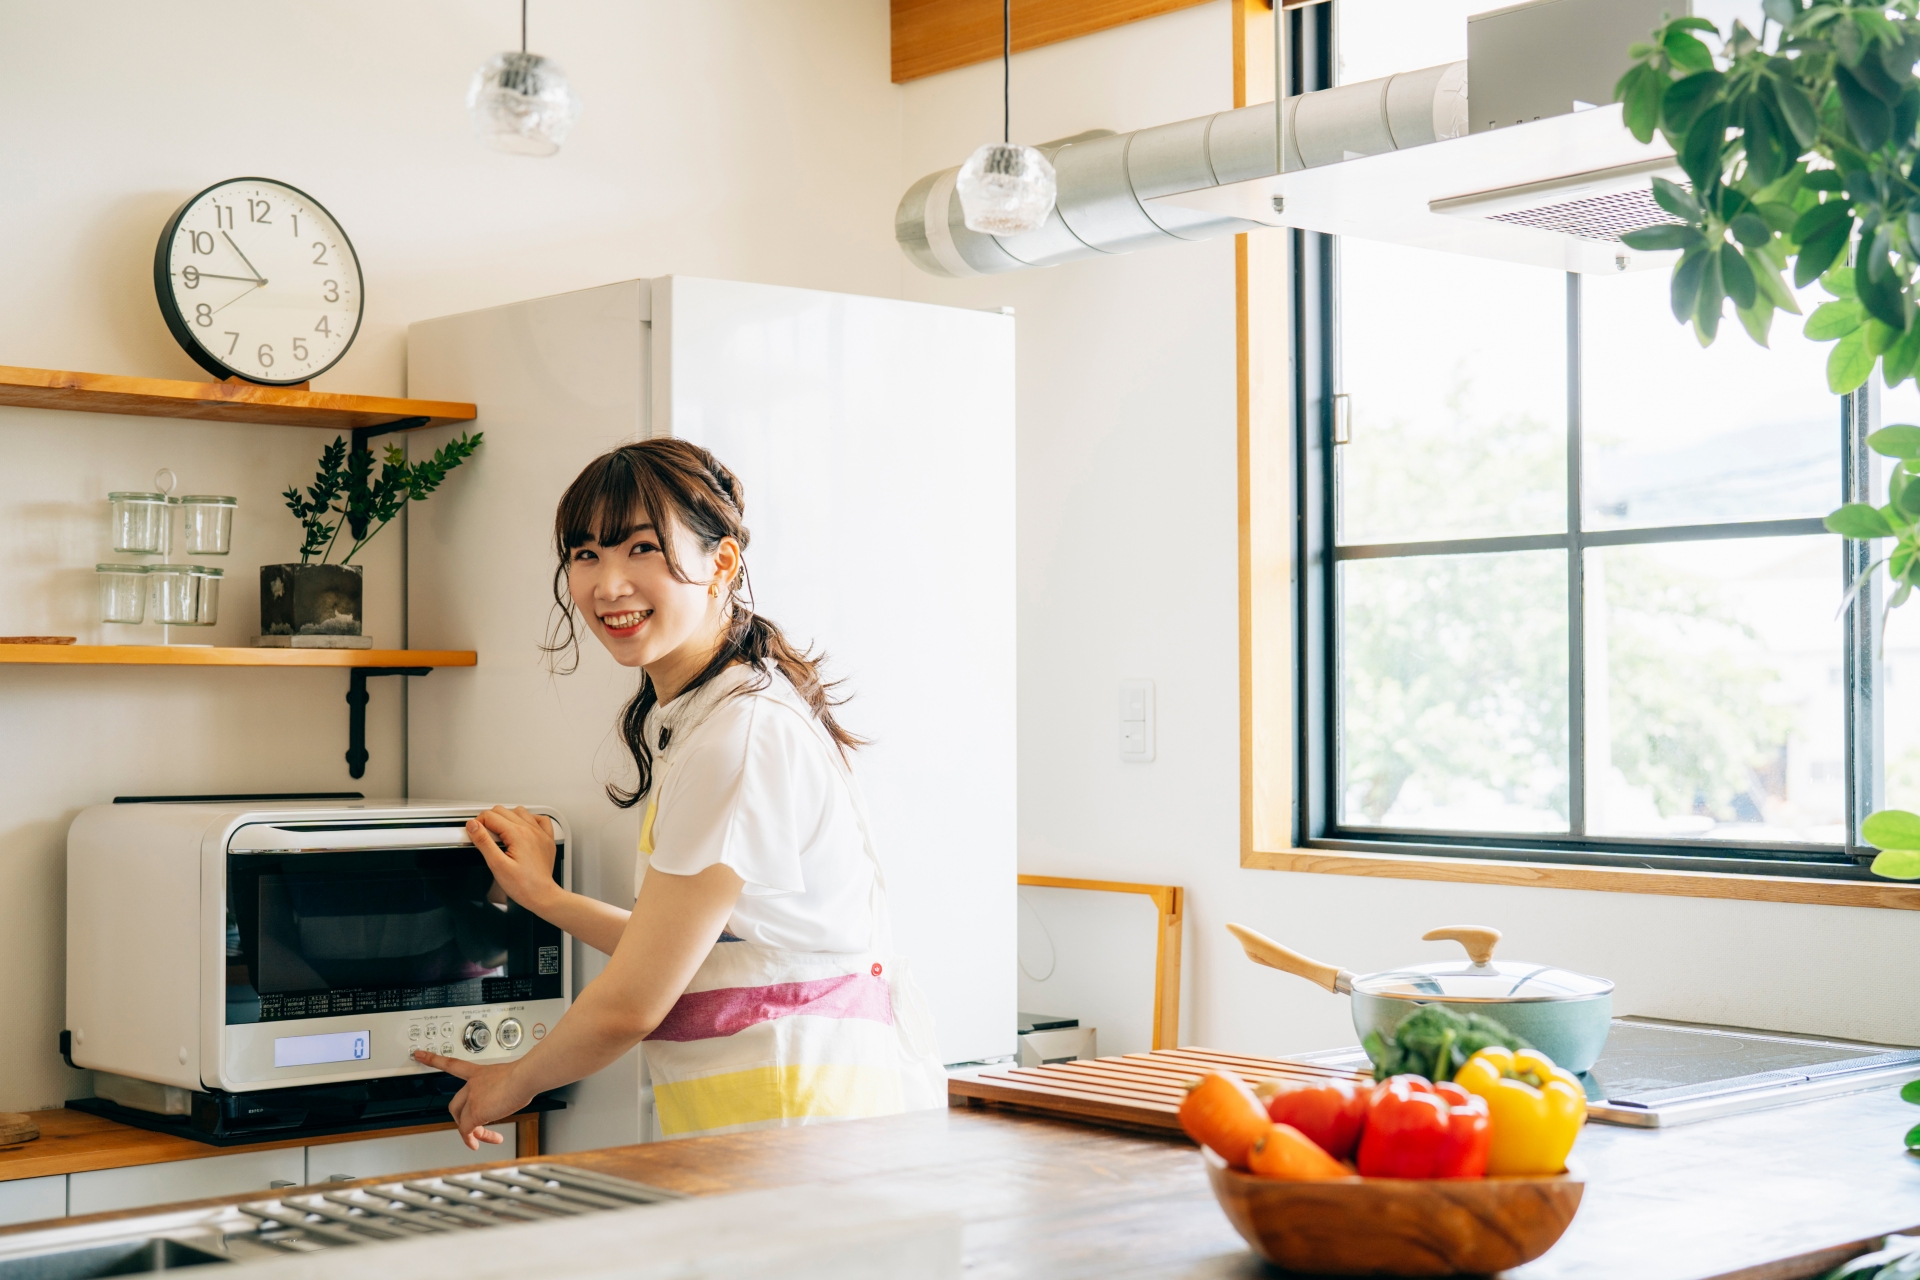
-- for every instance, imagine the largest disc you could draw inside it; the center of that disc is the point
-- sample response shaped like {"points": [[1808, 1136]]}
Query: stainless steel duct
{"points": [[1106, 179]]}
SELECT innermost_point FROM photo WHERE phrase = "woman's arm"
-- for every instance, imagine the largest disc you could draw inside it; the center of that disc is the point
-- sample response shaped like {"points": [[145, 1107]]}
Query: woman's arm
{"points": [[672, 928], [521, 860]]}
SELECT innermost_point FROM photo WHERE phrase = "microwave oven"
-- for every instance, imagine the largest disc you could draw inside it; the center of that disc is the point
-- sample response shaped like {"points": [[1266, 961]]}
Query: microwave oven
{"points": [[225, 947]]}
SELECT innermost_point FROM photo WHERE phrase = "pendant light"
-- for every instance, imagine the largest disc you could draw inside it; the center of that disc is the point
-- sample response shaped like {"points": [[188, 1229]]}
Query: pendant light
{"points": [[521, 102], [1006, 188]]}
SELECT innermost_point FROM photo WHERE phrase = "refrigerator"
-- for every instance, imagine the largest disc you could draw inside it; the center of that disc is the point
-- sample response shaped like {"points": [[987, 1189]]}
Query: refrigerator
{"points": [[874, 439]]}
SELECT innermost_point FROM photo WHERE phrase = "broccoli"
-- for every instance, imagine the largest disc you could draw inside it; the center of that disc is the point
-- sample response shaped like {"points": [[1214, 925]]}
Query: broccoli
{"points": [[1435, 1041]]}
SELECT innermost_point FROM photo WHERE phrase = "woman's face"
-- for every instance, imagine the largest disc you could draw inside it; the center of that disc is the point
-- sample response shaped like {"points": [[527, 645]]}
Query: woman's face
{"points": [[634, 604]]}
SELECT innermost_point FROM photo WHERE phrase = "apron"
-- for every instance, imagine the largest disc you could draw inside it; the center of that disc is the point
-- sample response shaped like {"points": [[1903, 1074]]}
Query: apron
{"points": [[765, 1038]]}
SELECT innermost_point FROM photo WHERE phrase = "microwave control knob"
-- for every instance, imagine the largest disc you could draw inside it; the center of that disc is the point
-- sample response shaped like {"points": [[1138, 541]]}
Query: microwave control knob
{"points": [[508, 1034], [475, 1037]]}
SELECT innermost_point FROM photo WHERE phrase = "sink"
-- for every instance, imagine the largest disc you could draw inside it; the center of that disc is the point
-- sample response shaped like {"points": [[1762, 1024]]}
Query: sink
{"points": [[119, 1258]]}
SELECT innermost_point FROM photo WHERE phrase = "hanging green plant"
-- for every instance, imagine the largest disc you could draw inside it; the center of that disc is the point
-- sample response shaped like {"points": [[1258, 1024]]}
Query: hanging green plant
{"points": [[1800, 156]]}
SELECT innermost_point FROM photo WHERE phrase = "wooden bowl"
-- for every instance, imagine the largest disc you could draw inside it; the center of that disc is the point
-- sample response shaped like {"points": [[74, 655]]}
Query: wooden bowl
{"points": [[1396, 1226]]}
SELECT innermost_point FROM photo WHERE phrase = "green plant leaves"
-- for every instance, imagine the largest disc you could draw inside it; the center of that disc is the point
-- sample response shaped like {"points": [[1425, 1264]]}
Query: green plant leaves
{"points": [[1705, 139], [1751, 229], [1892, 829], [1910, 1092], [1835, 319], [1737, 276], [1666, 235], [1898, 864], [1849, 363], [1822, 233], [1900, 440], [1685, 290], [1677, 200], [1869, 118], [1859, 521]]}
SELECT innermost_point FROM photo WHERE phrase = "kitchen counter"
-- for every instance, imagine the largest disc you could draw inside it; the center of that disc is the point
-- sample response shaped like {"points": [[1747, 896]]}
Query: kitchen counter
{"points": [[1768, 1196]]}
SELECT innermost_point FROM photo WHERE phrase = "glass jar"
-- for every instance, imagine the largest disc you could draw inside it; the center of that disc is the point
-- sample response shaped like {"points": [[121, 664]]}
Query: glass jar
{"points": [[139, 523], [123, 593], [209, 524], [206, 593], [174, 604]]}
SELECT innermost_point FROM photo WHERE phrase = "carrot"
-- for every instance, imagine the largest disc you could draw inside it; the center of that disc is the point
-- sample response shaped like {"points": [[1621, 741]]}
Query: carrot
{"points": [[1222, 1113], [1285, 1153]]}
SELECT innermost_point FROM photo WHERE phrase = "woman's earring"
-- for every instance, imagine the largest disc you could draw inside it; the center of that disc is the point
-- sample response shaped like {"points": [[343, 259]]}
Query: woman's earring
{"points": [[713, 590]]}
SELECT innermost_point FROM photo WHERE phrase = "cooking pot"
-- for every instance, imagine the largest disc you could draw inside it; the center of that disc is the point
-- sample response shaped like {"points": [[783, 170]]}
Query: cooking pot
{"points": [[1563, 1014]]}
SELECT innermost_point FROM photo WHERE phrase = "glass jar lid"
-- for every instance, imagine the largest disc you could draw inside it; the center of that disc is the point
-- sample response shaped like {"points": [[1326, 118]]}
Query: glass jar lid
{"points": [[122, 568], [172, 568], [207, 500], [1497, 981], [136, 497]]}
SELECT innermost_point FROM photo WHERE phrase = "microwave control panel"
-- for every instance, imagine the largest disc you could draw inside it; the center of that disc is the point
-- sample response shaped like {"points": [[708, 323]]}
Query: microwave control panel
{"points": [[484, 1035]]}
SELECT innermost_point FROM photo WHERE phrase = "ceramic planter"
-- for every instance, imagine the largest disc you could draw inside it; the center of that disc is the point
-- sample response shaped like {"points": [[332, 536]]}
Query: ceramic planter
{"points": [[310, 599]]}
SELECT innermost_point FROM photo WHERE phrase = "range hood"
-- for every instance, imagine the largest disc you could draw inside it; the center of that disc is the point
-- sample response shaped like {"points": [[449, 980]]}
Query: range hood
{"points": [[1503, 156]]}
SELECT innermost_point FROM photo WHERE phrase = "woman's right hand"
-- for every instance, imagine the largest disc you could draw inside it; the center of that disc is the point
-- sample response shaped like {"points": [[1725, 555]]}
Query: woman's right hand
{"points": [[519, 850]]}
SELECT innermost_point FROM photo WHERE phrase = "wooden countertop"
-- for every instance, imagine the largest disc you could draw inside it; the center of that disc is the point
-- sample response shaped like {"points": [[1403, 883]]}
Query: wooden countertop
{"points": [[1772, 1196], [75, 1142]]}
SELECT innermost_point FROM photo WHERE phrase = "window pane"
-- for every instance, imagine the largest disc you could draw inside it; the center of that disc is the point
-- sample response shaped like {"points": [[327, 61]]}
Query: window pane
{"points": [[1380, 37], [1900, 709], [1453, 692], [1715, 693], [1677, 434], [1457, 372]]}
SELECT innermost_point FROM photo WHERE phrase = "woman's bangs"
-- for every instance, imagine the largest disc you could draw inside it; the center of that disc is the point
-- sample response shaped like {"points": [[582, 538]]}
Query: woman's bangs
{"points": [[604, 505]]}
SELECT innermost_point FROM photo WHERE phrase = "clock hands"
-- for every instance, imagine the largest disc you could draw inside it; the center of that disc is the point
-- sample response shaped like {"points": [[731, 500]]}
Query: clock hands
{"points": [[257, 277], [214, 275]]}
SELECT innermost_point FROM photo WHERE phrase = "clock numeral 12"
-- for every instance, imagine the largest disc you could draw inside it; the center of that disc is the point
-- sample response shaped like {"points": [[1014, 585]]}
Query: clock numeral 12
{"points": [[257, 208]]}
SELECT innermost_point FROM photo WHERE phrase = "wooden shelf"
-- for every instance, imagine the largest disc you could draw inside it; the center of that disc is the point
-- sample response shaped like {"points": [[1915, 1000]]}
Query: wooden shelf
{"points": [[175, 655], [221, 401]]}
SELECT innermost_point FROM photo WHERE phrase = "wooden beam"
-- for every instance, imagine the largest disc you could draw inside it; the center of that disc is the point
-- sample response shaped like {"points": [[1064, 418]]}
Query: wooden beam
{"points": [[191, 655], [931, 36]]}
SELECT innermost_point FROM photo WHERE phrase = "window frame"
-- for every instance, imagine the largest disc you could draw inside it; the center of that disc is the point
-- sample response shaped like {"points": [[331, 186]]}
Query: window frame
{"points": [[1313, 302]]}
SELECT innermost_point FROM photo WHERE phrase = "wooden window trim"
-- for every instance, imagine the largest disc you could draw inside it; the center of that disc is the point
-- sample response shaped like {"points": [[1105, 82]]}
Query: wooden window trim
{"points": [[1266, 613]]}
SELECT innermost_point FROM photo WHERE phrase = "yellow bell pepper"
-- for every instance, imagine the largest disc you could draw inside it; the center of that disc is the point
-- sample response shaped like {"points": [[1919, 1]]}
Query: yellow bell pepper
{"points": [[1537, 1109]]}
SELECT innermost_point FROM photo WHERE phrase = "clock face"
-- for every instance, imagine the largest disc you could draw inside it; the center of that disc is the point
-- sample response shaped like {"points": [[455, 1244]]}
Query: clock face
{"points": [[257, 280]]}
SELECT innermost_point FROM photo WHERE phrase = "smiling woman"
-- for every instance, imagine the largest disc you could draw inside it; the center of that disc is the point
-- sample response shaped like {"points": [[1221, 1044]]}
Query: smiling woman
{"points": [[756, 962]]}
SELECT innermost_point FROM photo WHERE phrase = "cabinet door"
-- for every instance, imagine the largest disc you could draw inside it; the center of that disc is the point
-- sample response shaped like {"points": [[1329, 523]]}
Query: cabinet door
{"points": [[105, 1190], [409, 1153], [31, 1199]]}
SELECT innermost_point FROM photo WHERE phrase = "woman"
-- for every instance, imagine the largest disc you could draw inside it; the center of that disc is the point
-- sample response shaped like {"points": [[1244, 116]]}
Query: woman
{"points": [[755, 961]]}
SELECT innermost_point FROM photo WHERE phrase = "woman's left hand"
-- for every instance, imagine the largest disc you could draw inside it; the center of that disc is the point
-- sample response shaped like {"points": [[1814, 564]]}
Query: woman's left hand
{"points": [[490, 1094]]}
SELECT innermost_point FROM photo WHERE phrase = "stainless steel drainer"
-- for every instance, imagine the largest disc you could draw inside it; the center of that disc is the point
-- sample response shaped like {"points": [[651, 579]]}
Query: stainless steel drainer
{"points": [[430, 1206]]}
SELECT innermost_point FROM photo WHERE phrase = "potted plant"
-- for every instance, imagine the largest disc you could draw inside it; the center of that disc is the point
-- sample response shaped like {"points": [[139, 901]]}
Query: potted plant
{"points": [[323, 597], [1805, 155]]}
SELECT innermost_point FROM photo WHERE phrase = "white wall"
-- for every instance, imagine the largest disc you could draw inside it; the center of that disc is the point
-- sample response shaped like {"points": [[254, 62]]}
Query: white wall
{"points": [[1127, 569], [749, 142]]}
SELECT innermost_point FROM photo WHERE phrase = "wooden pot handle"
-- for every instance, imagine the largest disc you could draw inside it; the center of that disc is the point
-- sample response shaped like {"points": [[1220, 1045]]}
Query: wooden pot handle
{"points": [[1264, 950], [1476, 938]]}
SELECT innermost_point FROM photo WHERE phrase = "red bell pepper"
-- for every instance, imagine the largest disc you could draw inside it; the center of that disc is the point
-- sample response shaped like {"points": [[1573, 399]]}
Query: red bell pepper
{"points": [[1420, 1130], [1331, 1114]]}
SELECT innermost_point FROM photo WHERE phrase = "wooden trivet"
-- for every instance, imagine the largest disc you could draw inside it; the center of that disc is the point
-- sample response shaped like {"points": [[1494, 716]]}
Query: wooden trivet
{"points": [[1137, 1090], [37, 639], [15, 1127]]}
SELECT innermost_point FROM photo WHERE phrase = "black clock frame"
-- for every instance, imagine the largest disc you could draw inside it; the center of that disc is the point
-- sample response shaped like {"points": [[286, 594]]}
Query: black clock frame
{"points": [[182, 331]]}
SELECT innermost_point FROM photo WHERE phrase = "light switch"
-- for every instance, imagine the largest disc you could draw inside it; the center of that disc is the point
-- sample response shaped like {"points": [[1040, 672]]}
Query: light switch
{"points": [[1136, 721]]}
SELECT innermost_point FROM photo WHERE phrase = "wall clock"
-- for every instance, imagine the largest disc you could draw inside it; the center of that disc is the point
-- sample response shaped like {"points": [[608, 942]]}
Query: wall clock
{"points": [[257, 281]]}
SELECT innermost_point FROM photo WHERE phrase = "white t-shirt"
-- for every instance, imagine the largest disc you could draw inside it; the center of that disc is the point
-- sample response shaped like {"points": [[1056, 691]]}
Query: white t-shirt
{"points": [[747, 779]]}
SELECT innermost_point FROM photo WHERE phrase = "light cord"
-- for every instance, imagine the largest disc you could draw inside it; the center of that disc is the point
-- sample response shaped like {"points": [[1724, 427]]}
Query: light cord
{"points": [[523, 25], [1006, 70]]}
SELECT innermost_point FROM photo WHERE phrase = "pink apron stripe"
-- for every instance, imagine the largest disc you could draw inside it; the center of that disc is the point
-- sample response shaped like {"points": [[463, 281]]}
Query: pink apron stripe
{"points": [[707, 1015]]}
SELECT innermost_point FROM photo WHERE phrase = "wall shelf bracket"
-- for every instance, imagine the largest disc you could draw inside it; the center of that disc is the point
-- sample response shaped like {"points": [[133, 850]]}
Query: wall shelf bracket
{"points": [[357, 711]]}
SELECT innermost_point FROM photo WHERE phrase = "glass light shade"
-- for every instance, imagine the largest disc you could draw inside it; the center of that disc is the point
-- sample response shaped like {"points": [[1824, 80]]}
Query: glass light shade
{"points": [[1005, 189], [522, 104]]}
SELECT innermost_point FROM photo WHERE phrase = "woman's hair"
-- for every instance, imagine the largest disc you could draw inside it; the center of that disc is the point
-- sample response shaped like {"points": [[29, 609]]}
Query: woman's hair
{"points": [[659, 481]]}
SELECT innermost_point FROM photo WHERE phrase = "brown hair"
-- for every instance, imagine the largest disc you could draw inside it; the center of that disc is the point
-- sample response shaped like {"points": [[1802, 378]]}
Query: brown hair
{"points": [[665, 479]]}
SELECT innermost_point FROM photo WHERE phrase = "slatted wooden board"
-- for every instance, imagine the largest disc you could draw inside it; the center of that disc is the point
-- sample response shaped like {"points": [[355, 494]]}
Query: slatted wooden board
{"points": [[1135, 1090]]}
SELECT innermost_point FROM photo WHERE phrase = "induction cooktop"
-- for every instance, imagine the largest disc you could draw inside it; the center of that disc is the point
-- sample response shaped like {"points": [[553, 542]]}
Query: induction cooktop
{"points": [[1654, 1073]]}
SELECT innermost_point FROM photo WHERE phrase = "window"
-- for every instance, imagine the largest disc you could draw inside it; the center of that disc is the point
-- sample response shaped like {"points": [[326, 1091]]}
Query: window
{"points": [[1566, 594]]}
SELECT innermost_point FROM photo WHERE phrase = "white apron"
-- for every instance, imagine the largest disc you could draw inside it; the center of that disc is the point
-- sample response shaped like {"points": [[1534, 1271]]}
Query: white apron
{"points": [[764, 1038]]}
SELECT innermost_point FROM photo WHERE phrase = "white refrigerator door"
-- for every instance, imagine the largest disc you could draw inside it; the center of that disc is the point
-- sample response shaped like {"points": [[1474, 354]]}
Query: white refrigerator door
{"points": [[875, 442]]}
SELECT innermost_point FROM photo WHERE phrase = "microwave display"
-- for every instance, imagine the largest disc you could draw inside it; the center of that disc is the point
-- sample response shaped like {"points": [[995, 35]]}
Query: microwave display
{"points": [[372, 931]]}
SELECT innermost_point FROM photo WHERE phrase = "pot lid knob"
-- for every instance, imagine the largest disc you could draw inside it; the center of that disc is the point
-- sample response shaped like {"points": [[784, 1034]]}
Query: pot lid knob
{"points": [[1476, 938]]}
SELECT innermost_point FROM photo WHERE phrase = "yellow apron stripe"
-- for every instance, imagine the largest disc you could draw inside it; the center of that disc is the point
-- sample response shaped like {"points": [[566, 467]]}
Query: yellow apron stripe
{"points": [[822, 1091]]}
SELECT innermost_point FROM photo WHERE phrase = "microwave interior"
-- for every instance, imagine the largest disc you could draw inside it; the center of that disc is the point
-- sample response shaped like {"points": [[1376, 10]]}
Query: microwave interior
{"points": [[375, 930]]}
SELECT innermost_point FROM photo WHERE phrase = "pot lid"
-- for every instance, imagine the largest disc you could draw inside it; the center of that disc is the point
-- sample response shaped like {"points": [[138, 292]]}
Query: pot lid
{"points": [[1480, 977]]}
